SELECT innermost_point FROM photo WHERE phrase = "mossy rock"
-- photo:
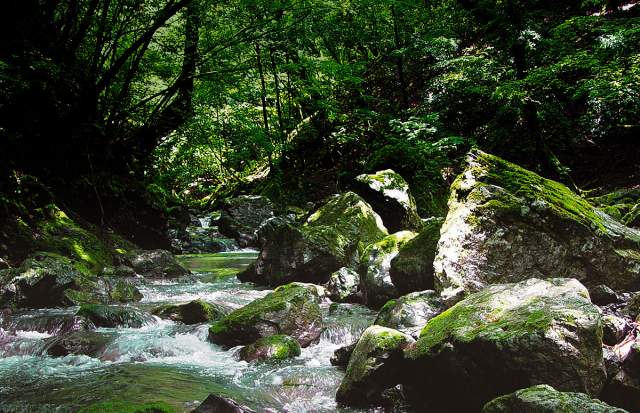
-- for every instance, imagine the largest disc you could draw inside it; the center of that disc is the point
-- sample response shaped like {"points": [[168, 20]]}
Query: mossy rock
{"points": [[125, 407], [507, 224], [194, 312], [389, 195], [113, 316], [275, 348], [157, 264], [218, 404], [412, 269], [291, 309], [375, 278], [333, 237], [504, 338], [410, 313], [122, 291], [87, 343], [242, 216], [375, 365], [546, 399], [344, 286]]}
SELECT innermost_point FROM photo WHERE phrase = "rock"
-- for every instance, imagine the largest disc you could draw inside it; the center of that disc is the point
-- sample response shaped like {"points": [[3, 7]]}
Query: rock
{"points": [[87, 343], [623, 389], [376, 365], [194, 312], [48, 280], [507, 337], [122, 291], [342, 355], [4, 265], [388, 193], [614, 329], [157, 264], [344, 286], [291, 309], [242, 216], [113, 316], [375, 280], [603, 295], [507, 224], [277, 347], [332, 237], [410, 313], [631, 307], [632, 218], [219, 404], [545, 399], [412, 269]]}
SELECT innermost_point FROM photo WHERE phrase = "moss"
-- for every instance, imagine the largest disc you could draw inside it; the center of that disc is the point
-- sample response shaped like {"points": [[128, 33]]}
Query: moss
{"points": [[389, 244], [276, 347], [196, 311], [124, 407]]}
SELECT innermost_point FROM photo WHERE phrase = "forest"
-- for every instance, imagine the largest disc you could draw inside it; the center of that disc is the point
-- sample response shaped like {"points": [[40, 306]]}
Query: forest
{"points": [[320, 206]]}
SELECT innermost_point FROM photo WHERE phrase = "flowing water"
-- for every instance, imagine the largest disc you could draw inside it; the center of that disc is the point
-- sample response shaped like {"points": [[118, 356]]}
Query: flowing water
{"points": [[168, 361]]}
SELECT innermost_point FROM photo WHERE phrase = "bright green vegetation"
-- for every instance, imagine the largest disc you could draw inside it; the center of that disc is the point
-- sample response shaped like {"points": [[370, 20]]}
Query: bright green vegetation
{"points": [[122, 407]]}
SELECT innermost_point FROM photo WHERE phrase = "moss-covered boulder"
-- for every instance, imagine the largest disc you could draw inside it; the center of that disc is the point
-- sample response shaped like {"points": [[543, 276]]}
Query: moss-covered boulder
{"points": [[275, 348], [389, 195], [194, 312], [507, 224], [410, 313], [242, 216], [157, 264], [412, 269], [344, 286], [375, 365], [219, 404], [546, 399], [507, 337], [375, 279], [87, 343], [49, 280], [332, 237], [114, 316], [122, 291], [291, 309]]}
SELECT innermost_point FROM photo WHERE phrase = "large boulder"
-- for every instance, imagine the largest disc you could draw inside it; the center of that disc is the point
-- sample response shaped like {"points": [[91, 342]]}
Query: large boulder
{"points": [[332, 237], [507, 337], [291, 309], [49, 280], [389, 195], [194, 312], [157, 264], [507, 224], [277, 347], [623, 389], [410, 313], [375, 365], [412, 269], [114, 316], [546, 399], [242, 216], [87, 343], [375, 279], [219, 404], [344, 286]]}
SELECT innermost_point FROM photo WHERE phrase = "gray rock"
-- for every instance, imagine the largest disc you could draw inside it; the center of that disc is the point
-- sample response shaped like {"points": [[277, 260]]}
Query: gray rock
{"points": [[507, 337], [242, 216], [545, 399], [507, 224], [344, 286], [157, 264], [87, 343], [114, 316], [219, 404], [410, 313]]}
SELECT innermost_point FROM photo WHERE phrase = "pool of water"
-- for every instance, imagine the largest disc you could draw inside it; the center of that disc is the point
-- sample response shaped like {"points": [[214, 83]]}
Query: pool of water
{"points": [[168, 361]]}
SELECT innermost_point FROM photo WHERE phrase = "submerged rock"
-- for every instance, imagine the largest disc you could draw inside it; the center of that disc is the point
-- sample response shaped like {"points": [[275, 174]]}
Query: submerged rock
{"points": [[389, 195], [242, 216], [194, 312], [410, 313], [157, 264], [545, 399], [113, 316], [291, 309], [507, 224], [375, 365], [332, 237], [344, 286], [504, 338], [412, 269], [277, 347], [342, 355], [375, 281], [87, 343], [219, 404]]}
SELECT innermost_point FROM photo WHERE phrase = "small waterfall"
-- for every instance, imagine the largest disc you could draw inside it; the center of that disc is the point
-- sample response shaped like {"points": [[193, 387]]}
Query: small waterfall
{"points": [[205, 221]]}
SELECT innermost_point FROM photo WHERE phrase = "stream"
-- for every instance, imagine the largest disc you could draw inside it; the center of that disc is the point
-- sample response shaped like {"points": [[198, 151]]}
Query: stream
{"points": [[167, 361]]}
